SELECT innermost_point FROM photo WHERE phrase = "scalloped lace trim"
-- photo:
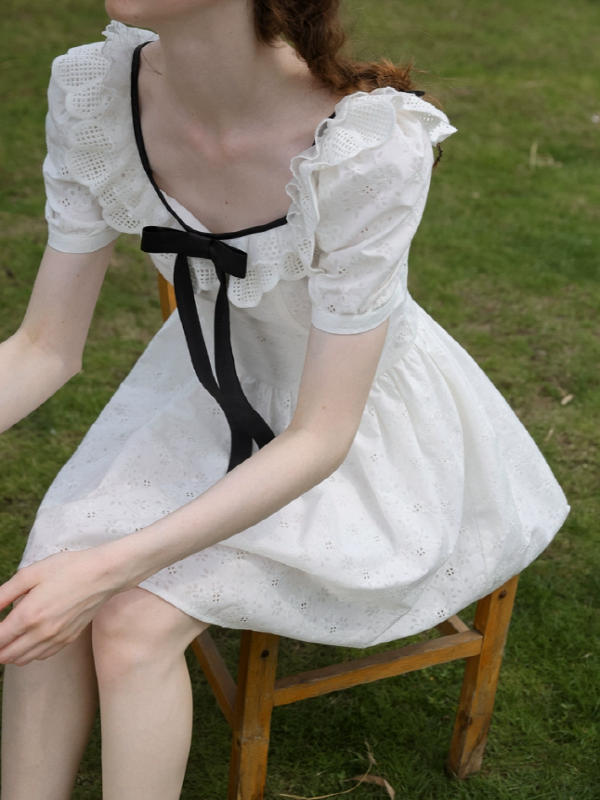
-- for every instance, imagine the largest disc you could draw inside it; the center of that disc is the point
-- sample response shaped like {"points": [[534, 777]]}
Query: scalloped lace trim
{"points": [[363, 120], [103, 156]]}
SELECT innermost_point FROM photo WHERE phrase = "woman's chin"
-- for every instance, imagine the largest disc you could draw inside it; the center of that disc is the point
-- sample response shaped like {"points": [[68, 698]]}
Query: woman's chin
{"points": [[147, 12], [126, 11], [133, 12]]}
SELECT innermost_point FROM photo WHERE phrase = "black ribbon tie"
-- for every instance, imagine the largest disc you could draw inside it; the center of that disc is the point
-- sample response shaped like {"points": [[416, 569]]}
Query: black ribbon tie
{"points": [[245, 422]]}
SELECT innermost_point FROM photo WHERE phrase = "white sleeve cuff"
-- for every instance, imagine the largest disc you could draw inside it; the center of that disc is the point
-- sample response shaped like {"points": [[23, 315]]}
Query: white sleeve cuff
{"points": [[81, 244], [357, 323]]}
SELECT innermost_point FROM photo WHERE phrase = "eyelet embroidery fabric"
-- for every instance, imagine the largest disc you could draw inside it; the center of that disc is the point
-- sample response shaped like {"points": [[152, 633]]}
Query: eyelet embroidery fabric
{"points": [[443, 496]]}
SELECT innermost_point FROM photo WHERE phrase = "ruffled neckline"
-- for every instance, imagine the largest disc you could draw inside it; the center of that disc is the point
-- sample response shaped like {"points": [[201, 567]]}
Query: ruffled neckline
{"points": [[103, 156]]}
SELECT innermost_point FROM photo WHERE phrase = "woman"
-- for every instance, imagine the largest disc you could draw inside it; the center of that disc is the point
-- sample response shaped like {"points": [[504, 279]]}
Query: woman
{"points": [[362, 480]]}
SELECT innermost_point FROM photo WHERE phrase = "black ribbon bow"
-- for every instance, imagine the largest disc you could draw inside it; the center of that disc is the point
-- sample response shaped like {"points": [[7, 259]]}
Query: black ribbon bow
{"points": [[245, 422]]}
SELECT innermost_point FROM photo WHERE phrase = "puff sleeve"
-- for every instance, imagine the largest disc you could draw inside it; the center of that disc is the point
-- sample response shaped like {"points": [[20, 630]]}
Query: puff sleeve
{"points": [[73, 213], [369, 209]]}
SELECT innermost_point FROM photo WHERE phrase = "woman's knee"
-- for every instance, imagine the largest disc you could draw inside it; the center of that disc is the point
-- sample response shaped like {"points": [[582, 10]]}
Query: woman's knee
{"points": [[136, 631]]}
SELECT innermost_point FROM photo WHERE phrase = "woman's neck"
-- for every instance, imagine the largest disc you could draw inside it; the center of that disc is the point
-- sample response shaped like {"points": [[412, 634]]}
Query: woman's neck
{"points": [[217, 74]]}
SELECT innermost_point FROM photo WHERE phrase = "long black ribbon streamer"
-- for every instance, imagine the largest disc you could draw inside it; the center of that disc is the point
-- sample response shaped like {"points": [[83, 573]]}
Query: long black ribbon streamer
{"points": [[245, 422]]}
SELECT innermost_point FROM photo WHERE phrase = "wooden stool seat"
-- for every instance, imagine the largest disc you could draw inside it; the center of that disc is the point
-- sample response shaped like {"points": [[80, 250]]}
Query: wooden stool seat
{"points": [[248, 705]]}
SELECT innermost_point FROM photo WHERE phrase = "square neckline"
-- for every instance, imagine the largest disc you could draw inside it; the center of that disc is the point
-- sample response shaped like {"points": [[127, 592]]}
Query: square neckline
{"points": [[163, 196]]}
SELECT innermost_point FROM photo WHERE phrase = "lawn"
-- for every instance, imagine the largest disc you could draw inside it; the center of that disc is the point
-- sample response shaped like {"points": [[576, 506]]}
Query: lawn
{"points": [[507, 260]]}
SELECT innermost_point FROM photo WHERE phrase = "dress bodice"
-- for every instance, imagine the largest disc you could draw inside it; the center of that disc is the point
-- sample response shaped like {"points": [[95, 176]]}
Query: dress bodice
{"points": [[357, 198]]}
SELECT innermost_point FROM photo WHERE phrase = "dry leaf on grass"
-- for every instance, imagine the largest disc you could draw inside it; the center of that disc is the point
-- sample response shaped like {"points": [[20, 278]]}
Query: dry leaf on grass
{"points": [[366, 778], [375, 779], [538, 160], [566, 399], [549, 435], [370, 756], [335, 794]]}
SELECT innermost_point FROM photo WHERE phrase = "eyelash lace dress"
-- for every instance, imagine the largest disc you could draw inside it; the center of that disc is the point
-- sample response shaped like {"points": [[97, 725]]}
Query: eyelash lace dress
{"points": [[443, 496]]}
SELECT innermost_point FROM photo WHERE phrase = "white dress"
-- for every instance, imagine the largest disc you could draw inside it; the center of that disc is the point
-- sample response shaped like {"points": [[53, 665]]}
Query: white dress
{"points": [[443, 496]]}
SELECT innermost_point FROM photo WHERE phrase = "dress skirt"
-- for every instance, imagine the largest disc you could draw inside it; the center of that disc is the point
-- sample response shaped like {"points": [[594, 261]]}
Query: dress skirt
{"points": [[443, 496]]}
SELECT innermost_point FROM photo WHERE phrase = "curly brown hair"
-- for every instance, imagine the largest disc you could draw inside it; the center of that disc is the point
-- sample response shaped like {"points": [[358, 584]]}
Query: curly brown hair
{"points": [[315, 29]]}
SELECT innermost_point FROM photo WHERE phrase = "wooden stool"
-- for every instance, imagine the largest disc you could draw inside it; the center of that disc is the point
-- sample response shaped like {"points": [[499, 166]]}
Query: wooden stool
{"points": [[248, 705]]}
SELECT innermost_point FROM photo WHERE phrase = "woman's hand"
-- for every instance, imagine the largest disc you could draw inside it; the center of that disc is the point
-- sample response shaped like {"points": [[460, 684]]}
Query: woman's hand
{"points": [[59, 596]]}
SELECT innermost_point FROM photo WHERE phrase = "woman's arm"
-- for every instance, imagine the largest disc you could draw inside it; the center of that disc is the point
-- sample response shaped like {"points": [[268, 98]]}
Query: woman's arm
{"points": [[66, 590], [46, 350]]}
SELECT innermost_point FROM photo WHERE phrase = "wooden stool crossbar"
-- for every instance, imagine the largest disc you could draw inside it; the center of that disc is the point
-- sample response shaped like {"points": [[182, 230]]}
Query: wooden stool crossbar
{"points": [[248, 705]]}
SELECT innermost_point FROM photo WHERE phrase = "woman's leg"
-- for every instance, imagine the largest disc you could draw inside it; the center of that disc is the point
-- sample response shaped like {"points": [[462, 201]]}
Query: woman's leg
{"points": [[139, 642], [48, 710]]}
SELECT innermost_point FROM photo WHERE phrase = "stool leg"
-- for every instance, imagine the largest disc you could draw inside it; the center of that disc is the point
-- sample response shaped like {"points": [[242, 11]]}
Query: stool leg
{"points": [[252, 719], [476, 703]]}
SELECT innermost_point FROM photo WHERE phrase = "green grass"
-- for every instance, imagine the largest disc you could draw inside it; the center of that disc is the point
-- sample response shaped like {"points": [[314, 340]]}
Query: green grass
{"points": [[507, 261]]}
